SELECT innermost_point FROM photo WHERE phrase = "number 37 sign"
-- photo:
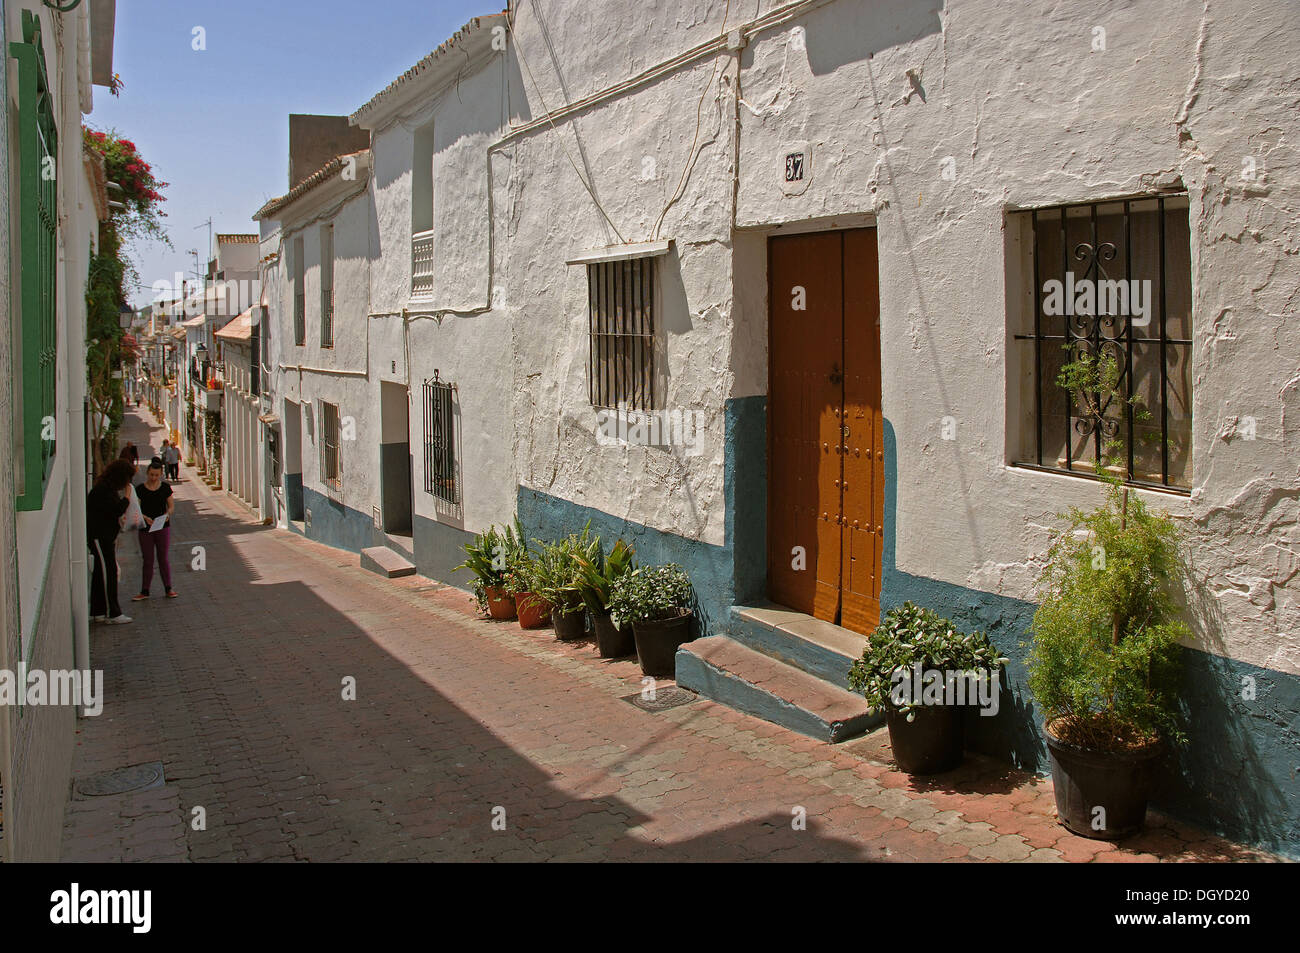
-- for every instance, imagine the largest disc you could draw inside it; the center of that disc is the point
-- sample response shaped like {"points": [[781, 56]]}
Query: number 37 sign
{"points": [[796, 167]]}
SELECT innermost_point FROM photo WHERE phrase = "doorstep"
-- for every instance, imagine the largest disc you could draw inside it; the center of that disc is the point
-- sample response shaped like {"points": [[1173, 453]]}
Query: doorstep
{"points": [[385, 562], [735, 675], [820, 648]]}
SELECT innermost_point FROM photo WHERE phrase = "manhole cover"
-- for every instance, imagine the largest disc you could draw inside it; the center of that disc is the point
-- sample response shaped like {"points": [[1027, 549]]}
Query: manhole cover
{"points": [[663, 699], [137, 777]]}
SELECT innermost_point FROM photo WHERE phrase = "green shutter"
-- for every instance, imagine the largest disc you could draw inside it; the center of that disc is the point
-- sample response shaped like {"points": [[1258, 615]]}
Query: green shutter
{"points": [[38, 216]]}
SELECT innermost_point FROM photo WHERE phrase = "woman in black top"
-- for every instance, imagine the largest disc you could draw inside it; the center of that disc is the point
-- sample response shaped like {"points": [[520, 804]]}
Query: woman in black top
{"points": [[105, 505], [156, 503]]}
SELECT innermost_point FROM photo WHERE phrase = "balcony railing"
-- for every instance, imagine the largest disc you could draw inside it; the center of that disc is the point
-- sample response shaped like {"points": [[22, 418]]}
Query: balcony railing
{"points": [[422, 264]]}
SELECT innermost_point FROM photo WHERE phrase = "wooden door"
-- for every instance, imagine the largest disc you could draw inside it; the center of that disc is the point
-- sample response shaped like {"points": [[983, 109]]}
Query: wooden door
{"points": [[805, 396], [825, 449], [863, 446]]}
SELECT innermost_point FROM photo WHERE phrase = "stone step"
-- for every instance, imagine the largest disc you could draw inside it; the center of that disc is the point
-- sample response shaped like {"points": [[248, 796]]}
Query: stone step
{"points": [[387, 563], [815, 646], [735, 675]]}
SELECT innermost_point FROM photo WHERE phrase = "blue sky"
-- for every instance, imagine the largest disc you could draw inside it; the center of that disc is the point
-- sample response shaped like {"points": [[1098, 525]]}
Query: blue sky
{"points": [[214, 123]]}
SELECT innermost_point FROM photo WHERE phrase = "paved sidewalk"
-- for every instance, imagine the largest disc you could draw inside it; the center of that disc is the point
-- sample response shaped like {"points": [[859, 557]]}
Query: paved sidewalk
{"points": [[237, 688]]}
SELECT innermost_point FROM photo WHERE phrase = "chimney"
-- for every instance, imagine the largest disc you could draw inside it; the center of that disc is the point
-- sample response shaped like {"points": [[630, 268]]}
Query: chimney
{"points": [[314, 140]]}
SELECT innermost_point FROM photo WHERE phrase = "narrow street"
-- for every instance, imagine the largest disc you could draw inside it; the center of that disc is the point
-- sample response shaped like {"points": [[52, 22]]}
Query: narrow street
{"points": [[237, 688]]}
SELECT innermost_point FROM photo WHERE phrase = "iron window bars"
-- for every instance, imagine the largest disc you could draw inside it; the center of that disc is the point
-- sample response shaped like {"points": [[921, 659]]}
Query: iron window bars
{"points": [[327, 286], [440, 441], [1141, 235], [330, 460], [38, 213], [299, 296], [621, 305]]}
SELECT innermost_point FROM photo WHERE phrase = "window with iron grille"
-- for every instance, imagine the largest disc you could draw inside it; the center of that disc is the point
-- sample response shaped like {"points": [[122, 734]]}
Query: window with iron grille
{"points": [[440, 477], [327, 286], [37, 155], [299, 296], [331, 464], [273, 455], [621, 303], [1105, 282]]}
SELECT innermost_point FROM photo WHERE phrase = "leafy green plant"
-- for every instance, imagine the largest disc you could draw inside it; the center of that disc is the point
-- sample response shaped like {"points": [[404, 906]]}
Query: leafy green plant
{"points": [[1105, 660], [497, 558], [909, 635], [650, 594], [599, 571], [557, 570]]}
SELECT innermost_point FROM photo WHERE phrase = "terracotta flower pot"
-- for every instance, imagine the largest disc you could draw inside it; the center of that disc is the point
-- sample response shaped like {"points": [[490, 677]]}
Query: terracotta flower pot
{"points": [[534, 611], [501, 604]]}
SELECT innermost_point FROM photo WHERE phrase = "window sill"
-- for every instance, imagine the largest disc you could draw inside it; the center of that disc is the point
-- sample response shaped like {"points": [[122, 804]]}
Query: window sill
{"points": [[1160, 492]]}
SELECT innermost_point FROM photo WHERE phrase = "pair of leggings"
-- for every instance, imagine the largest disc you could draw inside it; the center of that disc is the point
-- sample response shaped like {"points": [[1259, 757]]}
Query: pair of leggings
{"points": [[103, 583], [149, 544]]}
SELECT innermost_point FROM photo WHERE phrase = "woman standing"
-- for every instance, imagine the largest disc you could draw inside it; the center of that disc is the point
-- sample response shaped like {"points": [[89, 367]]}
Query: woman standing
{"points": [[105, 505], [156, 505]]}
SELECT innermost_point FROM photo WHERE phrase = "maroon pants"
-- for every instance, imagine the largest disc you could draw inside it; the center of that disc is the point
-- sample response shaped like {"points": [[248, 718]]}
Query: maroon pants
{"points": [[149, 544]]}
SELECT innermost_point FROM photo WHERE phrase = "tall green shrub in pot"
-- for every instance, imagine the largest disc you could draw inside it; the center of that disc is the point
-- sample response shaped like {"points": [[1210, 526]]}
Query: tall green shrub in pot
{"points": [[1105, 662]]}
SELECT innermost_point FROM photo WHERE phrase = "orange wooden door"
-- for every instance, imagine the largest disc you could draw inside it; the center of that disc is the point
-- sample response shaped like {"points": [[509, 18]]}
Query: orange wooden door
{"points": [[825, 439], [805, 402], [863, 444]]}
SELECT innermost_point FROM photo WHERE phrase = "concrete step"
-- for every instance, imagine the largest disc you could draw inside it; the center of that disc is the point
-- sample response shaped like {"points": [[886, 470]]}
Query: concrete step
{"points": [[815, 646], [732, 674], [387, 563]]}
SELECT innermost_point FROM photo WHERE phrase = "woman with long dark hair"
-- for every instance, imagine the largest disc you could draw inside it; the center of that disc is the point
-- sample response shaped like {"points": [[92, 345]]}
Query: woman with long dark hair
{"points": [[106, 503], [156, 506]]}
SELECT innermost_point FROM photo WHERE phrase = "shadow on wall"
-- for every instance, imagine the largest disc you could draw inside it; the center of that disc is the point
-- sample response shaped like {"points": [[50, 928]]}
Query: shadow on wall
{"points": [[848, 32]]}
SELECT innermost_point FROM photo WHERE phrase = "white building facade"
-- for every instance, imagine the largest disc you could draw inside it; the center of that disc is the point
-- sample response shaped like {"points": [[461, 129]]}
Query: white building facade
{"points": [[813, 242]]}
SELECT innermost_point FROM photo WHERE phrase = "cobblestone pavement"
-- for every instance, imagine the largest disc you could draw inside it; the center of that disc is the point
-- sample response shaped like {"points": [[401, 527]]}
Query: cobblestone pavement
{"points": [[236, 687]]}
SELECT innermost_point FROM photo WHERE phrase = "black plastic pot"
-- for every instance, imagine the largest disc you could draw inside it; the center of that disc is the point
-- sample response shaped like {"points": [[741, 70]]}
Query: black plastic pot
{"points": [[1117, 782], [933, 741], [657, 643], [611, 642], [569, 626]]}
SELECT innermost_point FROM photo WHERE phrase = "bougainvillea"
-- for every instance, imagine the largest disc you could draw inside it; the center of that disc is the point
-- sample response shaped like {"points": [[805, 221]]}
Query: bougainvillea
{"points": [[141, 189]]}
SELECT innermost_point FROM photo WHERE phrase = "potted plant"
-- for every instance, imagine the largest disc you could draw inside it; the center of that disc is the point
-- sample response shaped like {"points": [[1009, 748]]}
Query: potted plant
{"points": [[1105, 661], [494, 558], [924, 674], [560, 583], [599, 573], [534, 572], [656, 602]]}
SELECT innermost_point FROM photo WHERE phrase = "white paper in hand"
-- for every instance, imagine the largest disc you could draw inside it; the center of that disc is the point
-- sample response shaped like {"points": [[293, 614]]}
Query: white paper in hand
{"points": [[158, 523]]}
